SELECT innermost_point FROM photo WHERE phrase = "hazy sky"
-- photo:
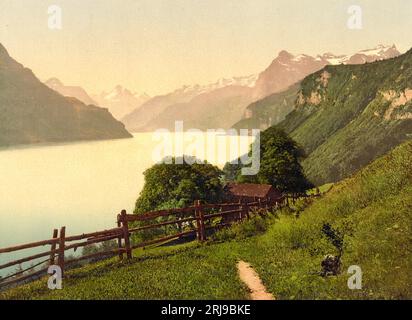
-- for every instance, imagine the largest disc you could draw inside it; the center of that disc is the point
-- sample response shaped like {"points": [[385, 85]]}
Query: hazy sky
{"points": [[159, 45]]}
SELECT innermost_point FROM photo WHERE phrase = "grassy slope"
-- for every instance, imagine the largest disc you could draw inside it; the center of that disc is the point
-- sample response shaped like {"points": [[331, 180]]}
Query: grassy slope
{"points": [[373, 210], [347, 129]]}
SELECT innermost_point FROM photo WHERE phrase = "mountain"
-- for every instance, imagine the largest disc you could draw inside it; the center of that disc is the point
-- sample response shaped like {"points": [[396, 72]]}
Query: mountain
{"points": [[31, 112], [121, 101], [381, 52], [270, 110], [284, 71], [70, 91], [288, 69], [212, 110], [347, 115], [184, 103]]}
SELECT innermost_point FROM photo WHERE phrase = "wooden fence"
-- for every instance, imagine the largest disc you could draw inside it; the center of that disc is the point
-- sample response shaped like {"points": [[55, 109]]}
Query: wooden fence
{"points": [[193, 221]]}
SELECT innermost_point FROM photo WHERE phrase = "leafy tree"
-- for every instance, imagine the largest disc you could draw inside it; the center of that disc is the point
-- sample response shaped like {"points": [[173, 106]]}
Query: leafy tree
{"points": [[279, 164], [179, 185], [176, 185]]}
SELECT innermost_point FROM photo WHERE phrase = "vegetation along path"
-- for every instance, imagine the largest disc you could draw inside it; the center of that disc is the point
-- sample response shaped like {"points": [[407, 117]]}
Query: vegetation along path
{"points": [[370, 214]]}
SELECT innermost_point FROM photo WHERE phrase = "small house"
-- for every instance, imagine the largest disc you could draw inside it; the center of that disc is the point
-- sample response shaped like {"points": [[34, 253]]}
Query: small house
{"points": [[250, 192]]}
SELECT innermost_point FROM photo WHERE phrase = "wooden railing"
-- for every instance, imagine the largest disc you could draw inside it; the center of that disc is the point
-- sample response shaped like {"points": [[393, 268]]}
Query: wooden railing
{"points": [[194, 220]]}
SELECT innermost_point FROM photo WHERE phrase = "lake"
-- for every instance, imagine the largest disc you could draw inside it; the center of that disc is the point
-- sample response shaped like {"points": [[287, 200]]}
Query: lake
{"points": [[84, 185]]}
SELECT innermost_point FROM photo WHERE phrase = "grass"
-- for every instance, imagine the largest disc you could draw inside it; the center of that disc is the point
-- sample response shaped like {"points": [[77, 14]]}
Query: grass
{"points": [[372, 210], [322, 189], [182, 272]]}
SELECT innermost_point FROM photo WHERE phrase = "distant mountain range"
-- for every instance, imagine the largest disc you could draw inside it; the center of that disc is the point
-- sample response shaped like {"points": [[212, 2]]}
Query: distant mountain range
{"points": [[345, 116], [120, 101], [31, 112], [197, 105], [70, 91], [224, 103], [290, 70]]}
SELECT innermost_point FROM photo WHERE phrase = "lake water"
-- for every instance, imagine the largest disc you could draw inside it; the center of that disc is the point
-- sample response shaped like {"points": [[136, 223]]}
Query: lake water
{"points": [[84, 185]]}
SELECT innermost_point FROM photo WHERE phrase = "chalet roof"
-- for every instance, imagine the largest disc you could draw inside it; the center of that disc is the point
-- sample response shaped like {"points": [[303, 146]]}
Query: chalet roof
{"points": [[249, 189]]}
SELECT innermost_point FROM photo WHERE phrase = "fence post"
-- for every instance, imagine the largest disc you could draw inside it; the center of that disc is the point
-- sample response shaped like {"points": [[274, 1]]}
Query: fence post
{"points": [[240, 217], [53, 247], [119, 240], [198, 223], [61, 248], [202, 224], [126, 234], [246, 210]]}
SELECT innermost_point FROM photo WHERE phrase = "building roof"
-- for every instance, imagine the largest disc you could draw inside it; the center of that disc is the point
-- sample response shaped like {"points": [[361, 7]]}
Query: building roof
{"points": [[249, 190]]}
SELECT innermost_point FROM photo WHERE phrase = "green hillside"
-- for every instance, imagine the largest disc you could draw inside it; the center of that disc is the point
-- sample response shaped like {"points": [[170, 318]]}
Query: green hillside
{"points": [[30, 112], [347, 115], [372, 211], [270, 110]]}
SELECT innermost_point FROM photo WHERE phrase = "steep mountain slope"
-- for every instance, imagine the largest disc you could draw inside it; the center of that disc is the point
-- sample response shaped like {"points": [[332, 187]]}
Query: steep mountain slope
{"points": [[121, 101], [346, 116], [30, 112], [270, 110], [70, 91], [287, 70]]}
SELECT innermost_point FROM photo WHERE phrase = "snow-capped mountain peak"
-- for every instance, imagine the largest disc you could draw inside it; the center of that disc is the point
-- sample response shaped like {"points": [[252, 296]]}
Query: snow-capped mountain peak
{"points": [[119, 92], [379, 50], [247, 81], [287, 68], [120, 100]]}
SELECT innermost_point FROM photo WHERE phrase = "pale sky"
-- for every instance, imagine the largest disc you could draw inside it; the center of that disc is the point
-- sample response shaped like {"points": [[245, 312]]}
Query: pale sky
{"points": [[156, 46]]}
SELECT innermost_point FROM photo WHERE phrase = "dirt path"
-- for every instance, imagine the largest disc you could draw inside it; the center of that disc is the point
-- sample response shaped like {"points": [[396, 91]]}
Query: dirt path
{"points": [[252, 280]]}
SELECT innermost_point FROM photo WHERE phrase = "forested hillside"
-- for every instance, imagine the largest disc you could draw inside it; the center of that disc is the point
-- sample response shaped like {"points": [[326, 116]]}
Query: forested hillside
{"points": [[347, 115]]}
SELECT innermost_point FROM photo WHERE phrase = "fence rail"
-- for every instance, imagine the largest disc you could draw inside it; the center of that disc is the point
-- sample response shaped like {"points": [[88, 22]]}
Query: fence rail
{"points": [[191, 221]]}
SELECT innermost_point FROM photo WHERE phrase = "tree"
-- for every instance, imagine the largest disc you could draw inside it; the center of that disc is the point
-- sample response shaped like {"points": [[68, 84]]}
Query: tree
{"points": [[179, 185], [279, 164], [169, 186]]}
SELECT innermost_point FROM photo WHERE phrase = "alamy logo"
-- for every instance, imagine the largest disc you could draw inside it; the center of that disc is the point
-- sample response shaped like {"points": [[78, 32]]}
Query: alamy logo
{"points": [[355, 280], [55, 17], [355, 21], [189, 146], [55, 281]]}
